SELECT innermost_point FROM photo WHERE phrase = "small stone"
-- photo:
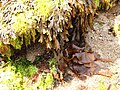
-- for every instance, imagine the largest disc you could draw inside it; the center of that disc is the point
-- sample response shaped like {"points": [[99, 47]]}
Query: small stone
{"points": [[100, 37], [33, 51]]}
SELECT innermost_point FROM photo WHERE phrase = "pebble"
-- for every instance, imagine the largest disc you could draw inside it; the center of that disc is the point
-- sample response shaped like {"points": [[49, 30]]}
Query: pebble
{"points": [[100, 37]]}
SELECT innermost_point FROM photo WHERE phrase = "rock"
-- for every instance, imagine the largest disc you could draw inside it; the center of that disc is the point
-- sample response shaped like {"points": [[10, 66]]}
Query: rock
{"points": [[35, 50]]}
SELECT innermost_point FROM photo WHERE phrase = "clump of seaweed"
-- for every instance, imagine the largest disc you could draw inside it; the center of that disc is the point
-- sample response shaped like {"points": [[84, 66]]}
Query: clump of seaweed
{"points": [[50, 21]]}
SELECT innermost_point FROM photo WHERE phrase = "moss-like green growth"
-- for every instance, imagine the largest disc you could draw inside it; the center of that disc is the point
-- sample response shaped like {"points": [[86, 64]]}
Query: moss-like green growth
{"points": [[16, 42], [24, 27], [24, 67], [44, 7], [18, 76], [46, 81], [103, 4], [102, 86], [14, 76]]}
